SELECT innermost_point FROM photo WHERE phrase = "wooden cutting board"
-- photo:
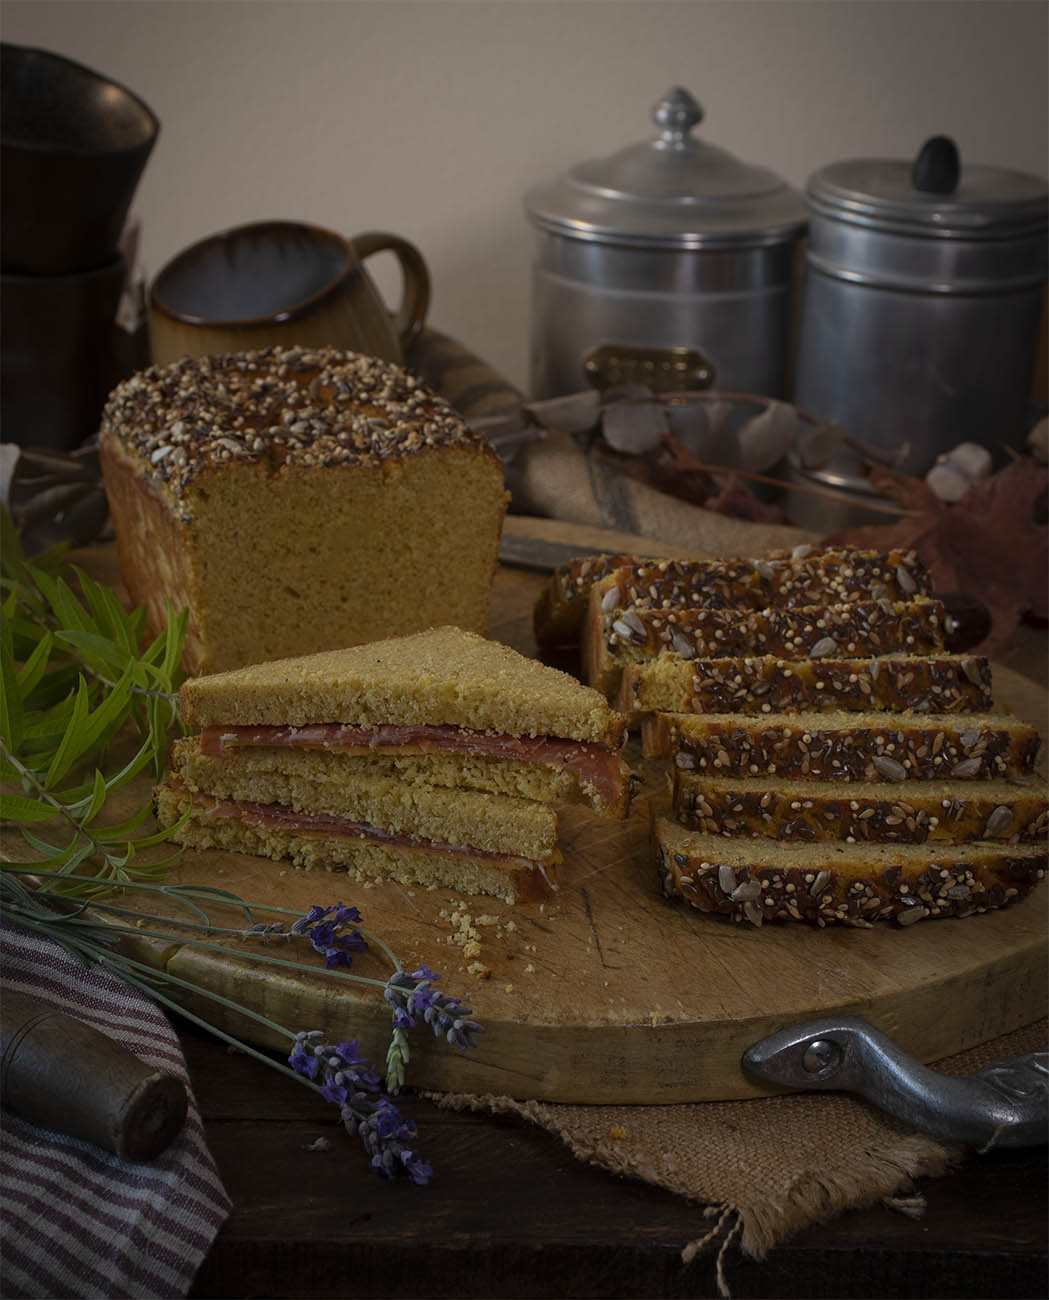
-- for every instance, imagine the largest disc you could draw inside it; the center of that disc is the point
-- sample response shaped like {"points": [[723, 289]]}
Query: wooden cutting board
{"points": [[607, 992]]}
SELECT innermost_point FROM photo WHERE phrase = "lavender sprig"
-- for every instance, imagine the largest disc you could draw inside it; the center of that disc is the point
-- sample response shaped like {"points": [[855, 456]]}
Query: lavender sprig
{"points": [[413, 995], [344, 1078]]}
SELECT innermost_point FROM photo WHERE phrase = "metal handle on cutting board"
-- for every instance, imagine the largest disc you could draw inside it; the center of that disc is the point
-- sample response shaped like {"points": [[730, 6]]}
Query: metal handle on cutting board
{"points": [[1005, 1105]]}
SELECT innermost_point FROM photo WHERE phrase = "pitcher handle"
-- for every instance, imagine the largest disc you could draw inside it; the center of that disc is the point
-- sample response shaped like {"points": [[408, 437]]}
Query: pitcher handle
{"points": [[415, 300]]}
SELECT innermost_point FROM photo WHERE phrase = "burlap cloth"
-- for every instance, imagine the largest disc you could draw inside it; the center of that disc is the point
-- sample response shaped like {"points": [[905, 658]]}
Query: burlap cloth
{"points": [[762, 1169]]}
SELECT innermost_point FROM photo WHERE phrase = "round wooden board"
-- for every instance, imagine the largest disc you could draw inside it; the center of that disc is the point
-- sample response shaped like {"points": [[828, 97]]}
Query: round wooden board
{"points": [[607, 992]]}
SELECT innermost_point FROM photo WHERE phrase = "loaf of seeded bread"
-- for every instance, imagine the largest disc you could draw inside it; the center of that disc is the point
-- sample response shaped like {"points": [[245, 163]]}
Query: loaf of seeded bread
{"points": [[876, 811], [840, 746], [838, 883], [297, 500], [925, 683], [614, 637]]}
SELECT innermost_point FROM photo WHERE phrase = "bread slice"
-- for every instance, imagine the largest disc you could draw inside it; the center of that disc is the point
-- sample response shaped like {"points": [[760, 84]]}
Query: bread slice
{"points": [[494, 823], [808, 575], [359, 852], [444, 676], [560, 611], [545, 782], [842, 746], [766, 684], [614, 637], [862, 811], [837, 883], [298, 499]]}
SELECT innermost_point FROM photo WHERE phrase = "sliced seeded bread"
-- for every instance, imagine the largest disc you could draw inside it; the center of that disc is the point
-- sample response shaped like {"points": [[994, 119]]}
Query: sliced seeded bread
{"points": [[954, 811], [765, 684], [807, 575], [615, 637], [837, 883], [839, 746], [561, 608]]}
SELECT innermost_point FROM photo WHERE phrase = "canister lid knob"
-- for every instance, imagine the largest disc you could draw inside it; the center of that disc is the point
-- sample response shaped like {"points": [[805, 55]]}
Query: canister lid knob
{"points": [[676, 114], [938, 167]]}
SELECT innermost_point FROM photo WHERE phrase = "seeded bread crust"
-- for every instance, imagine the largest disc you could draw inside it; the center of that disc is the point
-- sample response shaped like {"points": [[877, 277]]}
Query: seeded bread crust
{"points": [[497, 823], [560, 611], [421, 865], [835, 883], [953, 811], [846, 746], [614, 637], [808, 575], [298, 499], [936, 683], [445, 676]]}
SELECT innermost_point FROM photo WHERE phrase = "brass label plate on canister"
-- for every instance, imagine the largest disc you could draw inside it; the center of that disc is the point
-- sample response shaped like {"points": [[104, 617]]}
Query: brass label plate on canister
{"points": [[612, 365]]}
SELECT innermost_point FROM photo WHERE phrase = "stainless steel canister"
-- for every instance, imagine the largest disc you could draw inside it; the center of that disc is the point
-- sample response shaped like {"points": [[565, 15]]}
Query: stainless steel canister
{"points": [[668, 263], [923, 292]]}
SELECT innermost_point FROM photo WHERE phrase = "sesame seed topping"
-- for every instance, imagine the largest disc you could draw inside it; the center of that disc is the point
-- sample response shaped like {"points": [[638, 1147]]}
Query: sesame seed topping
{"points": [[312, 407]]}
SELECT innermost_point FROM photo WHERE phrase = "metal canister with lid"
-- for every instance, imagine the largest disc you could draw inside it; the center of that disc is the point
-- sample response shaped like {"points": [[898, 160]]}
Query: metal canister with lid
{"points": [[924, 282], [667, 264]]}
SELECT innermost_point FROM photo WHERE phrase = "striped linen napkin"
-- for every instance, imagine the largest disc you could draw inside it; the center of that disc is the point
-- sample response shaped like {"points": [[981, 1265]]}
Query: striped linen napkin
{"points": [[79, 1222]]}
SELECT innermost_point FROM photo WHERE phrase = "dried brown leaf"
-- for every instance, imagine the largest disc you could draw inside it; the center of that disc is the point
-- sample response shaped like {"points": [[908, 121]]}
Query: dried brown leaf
{"points": [[989, 545]]}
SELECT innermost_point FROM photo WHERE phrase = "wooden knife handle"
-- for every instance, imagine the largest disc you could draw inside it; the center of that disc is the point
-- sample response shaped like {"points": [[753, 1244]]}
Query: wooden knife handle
{"points": [[62, 1074]]}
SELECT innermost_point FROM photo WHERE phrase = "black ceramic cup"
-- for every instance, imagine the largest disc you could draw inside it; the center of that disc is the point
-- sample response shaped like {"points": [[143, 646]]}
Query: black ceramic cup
{"points": [[57, 353], [73, 145]]}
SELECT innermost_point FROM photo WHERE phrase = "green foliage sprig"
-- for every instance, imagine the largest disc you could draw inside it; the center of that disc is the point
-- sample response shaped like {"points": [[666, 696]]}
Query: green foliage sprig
{"points": [[76, 673]]}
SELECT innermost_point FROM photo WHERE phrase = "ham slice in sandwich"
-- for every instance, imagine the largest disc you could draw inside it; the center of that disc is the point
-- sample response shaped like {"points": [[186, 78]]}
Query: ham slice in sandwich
{"points": [[434, 759]]}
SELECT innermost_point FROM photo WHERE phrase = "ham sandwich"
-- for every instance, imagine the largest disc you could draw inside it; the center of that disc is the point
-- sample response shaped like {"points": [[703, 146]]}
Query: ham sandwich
{"points": [[434, 759]]}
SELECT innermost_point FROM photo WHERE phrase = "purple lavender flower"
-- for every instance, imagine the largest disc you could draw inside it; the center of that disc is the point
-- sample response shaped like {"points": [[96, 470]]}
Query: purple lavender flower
{"points": [[414, 994], [348, 1081], [333, 932]]}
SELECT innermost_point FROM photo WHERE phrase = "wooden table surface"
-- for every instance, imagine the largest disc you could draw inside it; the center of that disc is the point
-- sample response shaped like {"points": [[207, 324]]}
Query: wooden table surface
{"points": [[511, 1213]]}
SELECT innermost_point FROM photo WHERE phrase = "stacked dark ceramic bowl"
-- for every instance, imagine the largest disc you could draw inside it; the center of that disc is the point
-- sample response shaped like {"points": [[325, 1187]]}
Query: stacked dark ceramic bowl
{"points": [[74, 145]]}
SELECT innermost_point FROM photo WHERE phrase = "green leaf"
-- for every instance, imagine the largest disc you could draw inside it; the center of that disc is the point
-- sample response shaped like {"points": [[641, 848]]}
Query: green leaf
{"points": [[40, 845], [69, 750], [86, 809], [10, 695], [34, 667], [114, 834], [96, 649], [111, 617], [21, 808]]}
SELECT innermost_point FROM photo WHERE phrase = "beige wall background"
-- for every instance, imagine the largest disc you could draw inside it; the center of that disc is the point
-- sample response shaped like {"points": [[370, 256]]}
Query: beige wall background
{"points": [[433, 117]]}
